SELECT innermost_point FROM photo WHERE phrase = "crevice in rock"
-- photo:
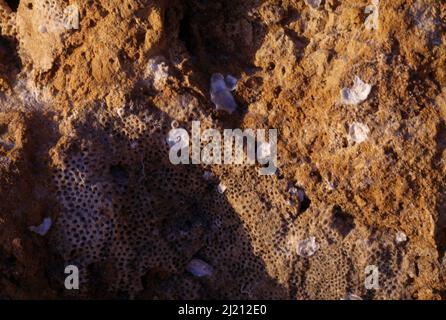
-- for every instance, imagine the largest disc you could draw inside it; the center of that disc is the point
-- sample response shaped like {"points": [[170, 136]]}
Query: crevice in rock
{"points": [[10, 64], [437, 161], [13, 4], [440, 230], [186, 33], [305, 204], [213, 35], [342, 222], [9, 57], [119, 174]]}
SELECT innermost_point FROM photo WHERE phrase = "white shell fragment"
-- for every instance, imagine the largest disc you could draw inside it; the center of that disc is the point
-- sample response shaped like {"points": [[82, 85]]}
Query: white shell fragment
{"points": [[221, 188], [372, 21], [199, 268], [157, 72], [357, 94], [400, 237], [351, 296], [314, 4], [120, 112], [359, 132], [221, 94], [308, 247], [231, 82], [43, 228]]}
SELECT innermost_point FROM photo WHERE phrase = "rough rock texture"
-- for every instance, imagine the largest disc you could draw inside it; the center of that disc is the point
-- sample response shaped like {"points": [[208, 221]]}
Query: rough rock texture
{"points": [[83, 127]]}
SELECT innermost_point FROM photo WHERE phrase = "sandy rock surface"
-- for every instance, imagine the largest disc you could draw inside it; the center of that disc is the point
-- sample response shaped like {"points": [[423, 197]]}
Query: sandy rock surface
{"points": [[85, 110]]}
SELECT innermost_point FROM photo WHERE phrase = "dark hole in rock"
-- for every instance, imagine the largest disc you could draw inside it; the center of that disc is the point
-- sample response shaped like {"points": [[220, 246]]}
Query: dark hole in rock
{"points": [[120, 174], [10, 63], [390, 153], [186, 34], [342, 221], [3, 129], [298, 195], [13, 4], [305, 202]]}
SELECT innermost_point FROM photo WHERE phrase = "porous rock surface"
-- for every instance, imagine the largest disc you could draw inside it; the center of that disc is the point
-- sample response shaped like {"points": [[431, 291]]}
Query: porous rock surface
{"points": [[83, 130]]}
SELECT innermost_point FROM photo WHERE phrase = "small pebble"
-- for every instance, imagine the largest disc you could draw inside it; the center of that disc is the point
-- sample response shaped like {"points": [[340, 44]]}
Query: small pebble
{"points": [[400, 237], [231, 82], [43, 228], [199, 268], [221, 94], [42, 29], [308, 247]]}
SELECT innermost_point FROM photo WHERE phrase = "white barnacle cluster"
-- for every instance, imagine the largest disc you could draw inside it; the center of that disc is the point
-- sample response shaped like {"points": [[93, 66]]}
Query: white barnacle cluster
{"points": [[157, 72], [71, 17], [58, 19], [372, 21], [221, 95], [356, 94], [358, 132], [308, 247]]}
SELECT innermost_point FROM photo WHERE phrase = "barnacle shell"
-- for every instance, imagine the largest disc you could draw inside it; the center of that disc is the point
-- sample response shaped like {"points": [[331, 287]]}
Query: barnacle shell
{"points": [[221, 94], [356, 94]]}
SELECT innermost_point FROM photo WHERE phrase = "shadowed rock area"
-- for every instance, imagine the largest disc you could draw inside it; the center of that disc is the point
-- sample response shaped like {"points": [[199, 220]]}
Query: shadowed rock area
{"points": [[89, 94]]}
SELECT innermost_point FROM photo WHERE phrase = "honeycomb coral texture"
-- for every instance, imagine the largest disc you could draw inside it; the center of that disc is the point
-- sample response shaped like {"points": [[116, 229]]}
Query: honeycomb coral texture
{"points": [[356, 90]]}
